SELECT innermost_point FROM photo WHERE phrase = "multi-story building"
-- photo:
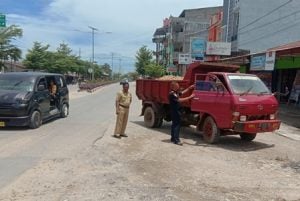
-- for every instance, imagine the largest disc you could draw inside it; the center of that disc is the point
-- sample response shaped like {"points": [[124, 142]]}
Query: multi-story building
{"points": [[257, 25], [175, 36]]}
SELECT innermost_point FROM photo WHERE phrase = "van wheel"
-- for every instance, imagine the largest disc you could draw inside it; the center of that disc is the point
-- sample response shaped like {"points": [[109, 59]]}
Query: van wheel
{"points": [[64, 111], [149, 117], [247, 136], [35, 119], [211, 133]]}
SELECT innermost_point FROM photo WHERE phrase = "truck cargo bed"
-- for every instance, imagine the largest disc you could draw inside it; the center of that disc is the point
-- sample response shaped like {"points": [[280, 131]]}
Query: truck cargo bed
{"points": [[156, 90]]}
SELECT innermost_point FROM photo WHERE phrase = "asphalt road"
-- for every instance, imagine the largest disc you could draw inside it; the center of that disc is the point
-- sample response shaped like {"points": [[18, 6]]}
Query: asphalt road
{"points": [[22, 149], [78, 159]]}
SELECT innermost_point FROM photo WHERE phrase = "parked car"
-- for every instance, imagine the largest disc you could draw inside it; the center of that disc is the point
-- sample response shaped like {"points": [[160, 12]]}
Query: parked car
{"points": [[25, 99]]}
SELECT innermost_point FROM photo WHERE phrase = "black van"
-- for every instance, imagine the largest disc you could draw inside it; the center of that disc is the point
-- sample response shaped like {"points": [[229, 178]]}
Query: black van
{"points": [[25, 98]]}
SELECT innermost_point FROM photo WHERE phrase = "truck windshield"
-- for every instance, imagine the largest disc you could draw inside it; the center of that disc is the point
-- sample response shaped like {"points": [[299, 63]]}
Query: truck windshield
{"points": [[16, 84], [247, 84]]}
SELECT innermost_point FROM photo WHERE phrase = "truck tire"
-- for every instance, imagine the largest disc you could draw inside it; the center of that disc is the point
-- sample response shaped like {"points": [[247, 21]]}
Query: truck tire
{"points": [[247, 136], [150, 117], [211, 133], [35, 120], [185, 124]]}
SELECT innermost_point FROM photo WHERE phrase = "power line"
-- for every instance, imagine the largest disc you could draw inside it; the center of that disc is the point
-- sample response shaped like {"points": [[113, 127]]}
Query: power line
{"points": [[271, 34], [269, 23], [265, 15]]}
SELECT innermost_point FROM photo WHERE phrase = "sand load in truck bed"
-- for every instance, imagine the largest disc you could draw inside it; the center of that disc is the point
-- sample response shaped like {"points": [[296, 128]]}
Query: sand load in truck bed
{"points": [[170, 77]]}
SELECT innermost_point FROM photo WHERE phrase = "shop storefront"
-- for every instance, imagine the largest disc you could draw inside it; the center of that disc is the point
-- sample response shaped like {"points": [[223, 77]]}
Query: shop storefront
{"points": [[287, 72]]}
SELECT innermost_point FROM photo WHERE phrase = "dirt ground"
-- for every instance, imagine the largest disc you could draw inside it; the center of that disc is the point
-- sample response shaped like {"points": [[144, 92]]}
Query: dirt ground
{"points": [[146, 166]]}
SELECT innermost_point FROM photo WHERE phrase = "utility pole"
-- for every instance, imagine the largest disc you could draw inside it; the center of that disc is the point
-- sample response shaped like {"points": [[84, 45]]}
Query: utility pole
{"points": [[112, 65], [93, 50], [120, 60]]}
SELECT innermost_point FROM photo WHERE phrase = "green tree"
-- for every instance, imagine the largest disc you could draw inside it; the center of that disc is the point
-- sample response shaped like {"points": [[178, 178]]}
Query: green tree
{"points": [[8, 51], [143, 57], [64, 49], [63, 61], [154, 70], [38, 58]]}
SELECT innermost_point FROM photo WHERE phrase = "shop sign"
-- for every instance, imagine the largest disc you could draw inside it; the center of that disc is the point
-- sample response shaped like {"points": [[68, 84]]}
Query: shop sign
{"points": [[258, 62], [218, 48], [197, 49], [184, 59], [270, 61]]}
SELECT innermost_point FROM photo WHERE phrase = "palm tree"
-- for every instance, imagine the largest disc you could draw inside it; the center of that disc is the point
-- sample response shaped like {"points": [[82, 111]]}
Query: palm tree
{"points": [[9, 51]]}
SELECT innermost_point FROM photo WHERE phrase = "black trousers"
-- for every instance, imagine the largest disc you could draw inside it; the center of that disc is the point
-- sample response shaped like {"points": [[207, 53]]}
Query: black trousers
{"points": [[175, 128]]}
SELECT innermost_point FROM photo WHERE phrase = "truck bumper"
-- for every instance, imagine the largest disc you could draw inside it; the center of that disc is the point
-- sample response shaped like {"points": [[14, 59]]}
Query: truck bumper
{"points": [[258, 126], [14, 121]]}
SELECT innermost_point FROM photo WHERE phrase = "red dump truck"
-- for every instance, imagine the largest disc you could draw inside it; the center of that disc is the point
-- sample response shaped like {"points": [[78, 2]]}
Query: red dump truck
{"points": [[225, 102]]}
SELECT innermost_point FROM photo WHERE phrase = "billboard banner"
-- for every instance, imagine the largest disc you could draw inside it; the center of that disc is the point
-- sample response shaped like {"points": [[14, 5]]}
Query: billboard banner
{"points": [[184, 59], [197, 49], [270, 61], [258, 62], [218, 48]]}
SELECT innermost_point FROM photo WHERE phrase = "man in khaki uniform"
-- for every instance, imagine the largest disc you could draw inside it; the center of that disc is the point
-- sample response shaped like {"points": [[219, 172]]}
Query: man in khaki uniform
{"points": [[123, 102]]}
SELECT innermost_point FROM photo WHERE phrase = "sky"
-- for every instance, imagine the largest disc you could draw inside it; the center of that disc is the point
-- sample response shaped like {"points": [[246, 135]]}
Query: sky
{"points": [[123, 26]]}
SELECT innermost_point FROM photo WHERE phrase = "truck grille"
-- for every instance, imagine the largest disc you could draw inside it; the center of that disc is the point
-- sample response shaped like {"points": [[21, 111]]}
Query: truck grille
{"points": [[257, 117]]}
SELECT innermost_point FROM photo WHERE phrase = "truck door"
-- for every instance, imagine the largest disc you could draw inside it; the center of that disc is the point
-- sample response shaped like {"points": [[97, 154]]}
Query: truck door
{"points": [[213, 98], [224, 102]]}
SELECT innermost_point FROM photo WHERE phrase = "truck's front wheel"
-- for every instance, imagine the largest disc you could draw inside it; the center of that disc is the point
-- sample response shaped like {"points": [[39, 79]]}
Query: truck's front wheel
{"points": [[149, 117], [211, 133]]}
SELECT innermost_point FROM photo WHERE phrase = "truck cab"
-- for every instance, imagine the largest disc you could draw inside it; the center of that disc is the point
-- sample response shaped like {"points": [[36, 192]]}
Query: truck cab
{"points": [[234, 103]]}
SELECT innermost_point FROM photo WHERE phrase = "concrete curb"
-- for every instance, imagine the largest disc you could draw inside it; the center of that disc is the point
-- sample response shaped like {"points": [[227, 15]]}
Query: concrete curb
{"points": [[289, 132]]}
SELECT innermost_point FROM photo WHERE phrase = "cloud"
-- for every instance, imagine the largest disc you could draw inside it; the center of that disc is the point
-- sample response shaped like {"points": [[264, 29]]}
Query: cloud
{"points": [[132, 23]]}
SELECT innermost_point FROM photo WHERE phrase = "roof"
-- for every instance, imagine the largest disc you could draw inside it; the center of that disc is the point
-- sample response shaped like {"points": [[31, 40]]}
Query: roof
{"points": [[286, 46], [160, 31], [290, 49]]}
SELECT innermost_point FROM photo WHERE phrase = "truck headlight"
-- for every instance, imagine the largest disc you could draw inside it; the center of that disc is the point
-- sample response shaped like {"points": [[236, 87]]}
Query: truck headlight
{"points": [[272, 116], [235, 116], [243, 118]]}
